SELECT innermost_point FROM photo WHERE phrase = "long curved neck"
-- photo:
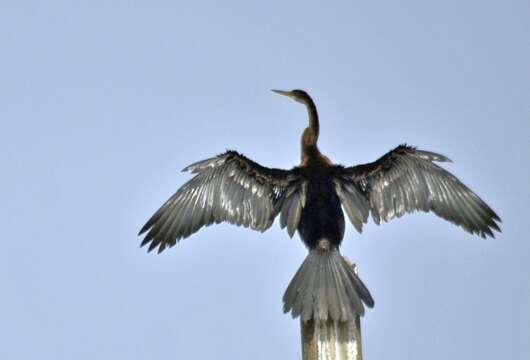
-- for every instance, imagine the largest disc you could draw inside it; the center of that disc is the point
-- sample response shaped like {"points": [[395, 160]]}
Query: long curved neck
{"points": [[310, 135], [313, 118]]}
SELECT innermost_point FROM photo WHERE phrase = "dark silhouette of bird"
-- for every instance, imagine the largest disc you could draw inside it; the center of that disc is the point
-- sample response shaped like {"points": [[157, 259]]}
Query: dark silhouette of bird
{"points": [[311, 198]]}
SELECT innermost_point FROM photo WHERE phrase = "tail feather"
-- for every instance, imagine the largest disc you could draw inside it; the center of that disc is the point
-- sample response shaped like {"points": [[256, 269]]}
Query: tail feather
{"points": [[326, 287]]}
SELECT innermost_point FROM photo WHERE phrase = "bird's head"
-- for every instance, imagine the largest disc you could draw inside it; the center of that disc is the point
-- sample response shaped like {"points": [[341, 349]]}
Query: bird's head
{"points": [[298, 95], [310, 134]]}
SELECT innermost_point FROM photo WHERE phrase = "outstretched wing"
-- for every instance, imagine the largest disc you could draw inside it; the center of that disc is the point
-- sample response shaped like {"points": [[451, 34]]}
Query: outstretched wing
{"points": [[229, 187], [406, 180]]}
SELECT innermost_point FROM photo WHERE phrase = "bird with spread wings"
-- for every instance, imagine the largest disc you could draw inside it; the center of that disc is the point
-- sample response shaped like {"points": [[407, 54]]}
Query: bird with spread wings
{"points": [[311, 198]]}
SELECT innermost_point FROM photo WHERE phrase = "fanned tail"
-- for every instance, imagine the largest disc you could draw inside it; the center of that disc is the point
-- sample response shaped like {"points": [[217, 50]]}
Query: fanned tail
{"points": [[326, 287]]}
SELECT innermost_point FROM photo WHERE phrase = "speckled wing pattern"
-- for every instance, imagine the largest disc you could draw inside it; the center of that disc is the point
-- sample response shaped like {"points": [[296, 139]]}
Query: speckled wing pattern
{"points": [[406, 180], [228, 187], [291, 207], [353, 201]]}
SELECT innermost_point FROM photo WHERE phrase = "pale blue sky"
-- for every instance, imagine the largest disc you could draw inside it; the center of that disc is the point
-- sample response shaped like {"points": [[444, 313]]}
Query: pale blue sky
{"points": [[102, 103]]}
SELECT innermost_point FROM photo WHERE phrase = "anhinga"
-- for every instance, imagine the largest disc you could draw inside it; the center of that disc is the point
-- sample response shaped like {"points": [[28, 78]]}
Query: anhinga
{"points": [[310, 198]]}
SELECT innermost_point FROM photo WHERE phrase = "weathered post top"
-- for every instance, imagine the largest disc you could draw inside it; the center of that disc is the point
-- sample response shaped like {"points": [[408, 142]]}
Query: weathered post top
{"points": [[331, 340]]}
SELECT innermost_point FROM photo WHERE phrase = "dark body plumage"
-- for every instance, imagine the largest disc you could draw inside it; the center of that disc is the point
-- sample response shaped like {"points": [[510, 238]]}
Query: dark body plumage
{"points": [[322, 216], [312, 199]]}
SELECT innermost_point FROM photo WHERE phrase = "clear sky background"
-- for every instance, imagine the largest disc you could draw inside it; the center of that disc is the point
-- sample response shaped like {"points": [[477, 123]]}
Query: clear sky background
{"points": [[103, 102]]}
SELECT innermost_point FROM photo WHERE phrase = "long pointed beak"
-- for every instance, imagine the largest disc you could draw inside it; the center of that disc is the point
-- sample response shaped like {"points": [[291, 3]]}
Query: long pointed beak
{"points": [[284, 93]]}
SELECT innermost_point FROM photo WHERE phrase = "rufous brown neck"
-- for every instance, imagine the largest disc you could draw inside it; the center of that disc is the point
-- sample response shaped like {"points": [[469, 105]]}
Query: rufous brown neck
{"points": [[310, 134]]}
